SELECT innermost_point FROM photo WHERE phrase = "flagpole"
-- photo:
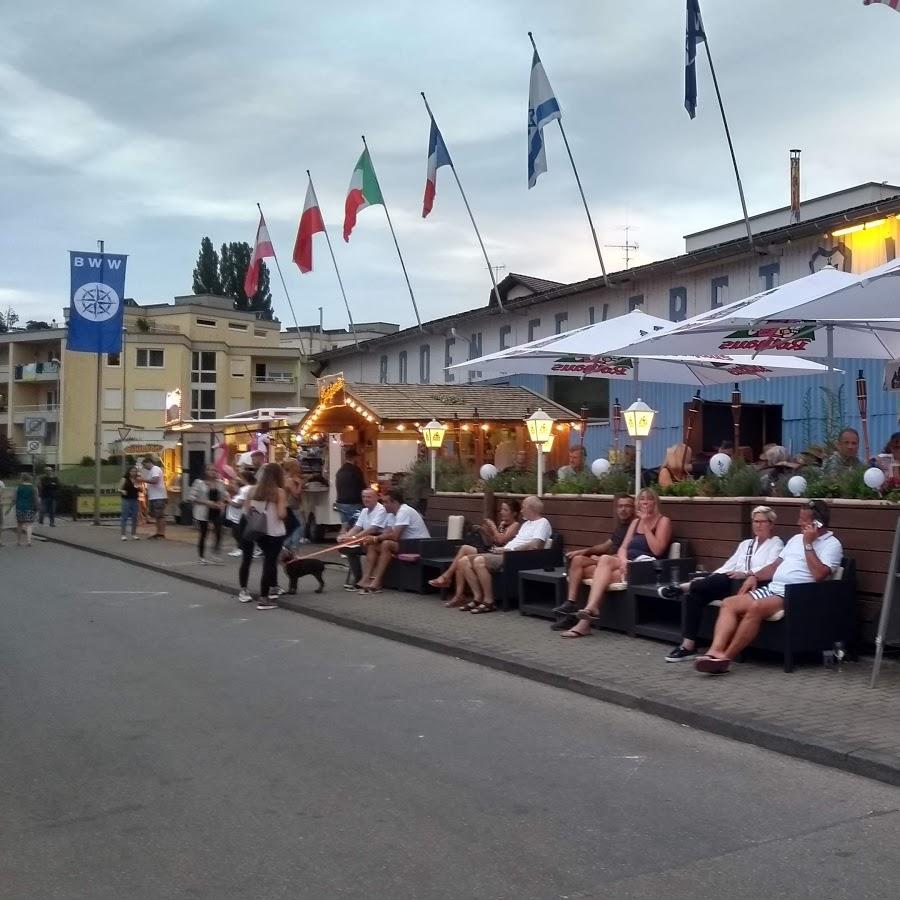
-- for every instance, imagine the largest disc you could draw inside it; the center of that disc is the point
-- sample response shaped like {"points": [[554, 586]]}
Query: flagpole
{"points": [[472, 217], [397, 245], [284, 285], [336, 270], [737, 173], [98, 427], [587, 211]]}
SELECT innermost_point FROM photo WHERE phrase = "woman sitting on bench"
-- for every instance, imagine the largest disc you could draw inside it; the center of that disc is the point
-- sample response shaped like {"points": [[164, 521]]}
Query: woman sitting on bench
{"points": [[494, 534], [649, 536]]}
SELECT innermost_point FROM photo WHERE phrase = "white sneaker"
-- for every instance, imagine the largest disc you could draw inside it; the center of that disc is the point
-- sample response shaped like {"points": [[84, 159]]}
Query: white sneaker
{"points": [[236, 553], [134, 537], [202, 561], [275, 592], [245, 596], [266, 605], [124, 538], [257, 553]]}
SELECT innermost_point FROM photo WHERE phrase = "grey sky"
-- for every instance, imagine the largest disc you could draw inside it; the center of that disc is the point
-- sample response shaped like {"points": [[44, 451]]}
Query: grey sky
{"points": [[154, 126]]}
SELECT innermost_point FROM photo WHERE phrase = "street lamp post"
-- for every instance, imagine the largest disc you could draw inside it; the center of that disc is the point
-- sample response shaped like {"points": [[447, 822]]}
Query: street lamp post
{"points": [[638, 420], [540, 430], [433, 435]]}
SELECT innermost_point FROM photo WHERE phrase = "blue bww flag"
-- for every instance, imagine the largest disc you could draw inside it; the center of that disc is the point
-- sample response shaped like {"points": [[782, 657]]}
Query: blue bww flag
{"points": [[694, 34], [543, 108], [97, 302]]}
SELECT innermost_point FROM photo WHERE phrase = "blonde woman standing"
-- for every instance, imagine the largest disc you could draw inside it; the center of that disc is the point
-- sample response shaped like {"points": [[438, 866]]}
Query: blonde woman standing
{"points": [[265, 511]]}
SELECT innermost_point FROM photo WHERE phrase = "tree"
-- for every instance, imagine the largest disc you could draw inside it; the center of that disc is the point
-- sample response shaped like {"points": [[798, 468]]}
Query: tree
{"points": [[9, 463], [234, 260], [206, 272], [37, 325], [8, 321]]}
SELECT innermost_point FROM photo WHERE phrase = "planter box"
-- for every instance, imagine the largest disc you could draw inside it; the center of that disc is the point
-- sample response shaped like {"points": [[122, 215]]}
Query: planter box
{"points": [[713, 526]]}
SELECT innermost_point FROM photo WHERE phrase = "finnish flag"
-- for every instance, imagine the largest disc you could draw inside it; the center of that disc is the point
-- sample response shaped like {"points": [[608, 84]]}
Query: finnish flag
{"points": [[542, 109]]}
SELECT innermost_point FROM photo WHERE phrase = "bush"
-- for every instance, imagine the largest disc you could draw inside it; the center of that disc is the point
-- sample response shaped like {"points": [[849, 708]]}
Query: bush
{"points": [[450, 474], [615, 481], [513, 481], [741, 480], [9, 462], [87, 461]]}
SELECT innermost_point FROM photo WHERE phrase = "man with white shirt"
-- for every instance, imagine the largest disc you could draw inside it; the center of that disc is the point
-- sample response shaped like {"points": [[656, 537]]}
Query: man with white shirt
{"points": [[403, 523], [157, 495], [369, 523], [752, 555], [813, 555], [479, 570]]}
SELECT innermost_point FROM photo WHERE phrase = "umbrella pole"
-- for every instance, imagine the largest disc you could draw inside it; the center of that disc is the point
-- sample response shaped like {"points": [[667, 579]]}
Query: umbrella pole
{"points": [[692, 415], [736, 418], [829, 346], [616, 425], [862, 401]]}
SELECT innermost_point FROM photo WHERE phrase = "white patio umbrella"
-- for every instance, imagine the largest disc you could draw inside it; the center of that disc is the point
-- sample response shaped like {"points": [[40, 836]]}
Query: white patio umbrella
{"points": [[592, 352]]}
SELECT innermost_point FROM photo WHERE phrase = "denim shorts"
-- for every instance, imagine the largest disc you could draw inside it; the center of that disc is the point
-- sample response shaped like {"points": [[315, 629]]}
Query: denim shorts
{"points": [[349, 512]]}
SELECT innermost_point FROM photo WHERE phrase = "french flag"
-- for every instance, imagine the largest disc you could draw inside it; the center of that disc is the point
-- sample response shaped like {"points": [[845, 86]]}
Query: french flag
{"points": [[437, 157]]}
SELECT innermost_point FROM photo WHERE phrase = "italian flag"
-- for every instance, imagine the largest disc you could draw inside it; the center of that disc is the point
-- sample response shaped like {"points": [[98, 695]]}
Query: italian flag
{"points": [[310, 223], [363, 191]]}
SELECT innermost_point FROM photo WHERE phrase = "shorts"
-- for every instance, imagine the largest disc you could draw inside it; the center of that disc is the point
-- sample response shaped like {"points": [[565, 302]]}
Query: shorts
{"points": [[157, 508], [493, 562], [763, 593], [348, 512]]}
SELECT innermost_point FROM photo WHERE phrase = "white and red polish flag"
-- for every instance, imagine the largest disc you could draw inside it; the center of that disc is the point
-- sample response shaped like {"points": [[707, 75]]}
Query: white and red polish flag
{"points": [[893, 4], [310, 223], [262, 250]]}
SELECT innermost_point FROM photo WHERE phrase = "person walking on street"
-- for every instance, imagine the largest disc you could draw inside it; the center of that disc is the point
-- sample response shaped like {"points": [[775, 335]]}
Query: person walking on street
{"points": [[26, 508], [265, 512], [157, 495], [208, 497], [49, 489], [130, 489], [234, 510]]}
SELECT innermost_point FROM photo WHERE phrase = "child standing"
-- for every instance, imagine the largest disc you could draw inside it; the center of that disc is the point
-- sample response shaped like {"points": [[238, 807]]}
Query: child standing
{"points": [[26, 508]]}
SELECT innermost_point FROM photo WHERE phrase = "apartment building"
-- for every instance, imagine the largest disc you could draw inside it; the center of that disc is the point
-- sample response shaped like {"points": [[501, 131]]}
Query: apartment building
{"points": [[222, 361]]}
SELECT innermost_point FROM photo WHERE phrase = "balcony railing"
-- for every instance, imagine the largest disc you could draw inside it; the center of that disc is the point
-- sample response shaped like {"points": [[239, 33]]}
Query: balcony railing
{"points": [[42, 371], [37, 408], [276, 378]]}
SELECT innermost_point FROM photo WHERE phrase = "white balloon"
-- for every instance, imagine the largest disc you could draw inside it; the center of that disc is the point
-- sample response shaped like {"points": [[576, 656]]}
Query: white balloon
{"points": [[874, 478], [487, 472], [600, 467], [720, 464], [797, 485]]}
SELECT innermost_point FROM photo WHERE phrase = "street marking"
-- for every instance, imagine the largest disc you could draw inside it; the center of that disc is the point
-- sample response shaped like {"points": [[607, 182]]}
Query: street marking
{"points": [[134, 593]]}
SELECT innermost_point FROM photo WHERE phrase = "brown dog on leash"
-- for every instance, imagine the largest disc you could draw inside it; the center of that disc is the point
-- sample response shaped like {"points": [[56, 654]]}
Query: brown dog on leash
{"points": [[297, 568]]}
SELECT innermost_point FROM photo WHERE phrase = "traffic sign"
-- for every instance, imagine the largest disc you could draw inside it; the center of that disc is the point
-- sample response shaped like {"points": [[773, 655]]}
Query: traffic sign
{"points": [[35, 447]]}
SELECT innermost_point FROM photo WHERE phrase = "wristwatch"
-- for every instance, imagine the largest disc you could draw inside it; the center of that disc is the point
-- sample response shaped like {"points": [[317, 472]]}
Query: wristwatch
{"points": [[807, 547]]}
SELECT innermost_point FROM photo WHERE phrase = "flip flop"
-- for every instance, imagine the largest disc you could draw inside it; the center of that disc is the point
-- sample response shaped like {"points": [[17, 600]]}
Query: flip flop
{"points": [[456, 603], [574, 634], [584, 614], [712, 665]]}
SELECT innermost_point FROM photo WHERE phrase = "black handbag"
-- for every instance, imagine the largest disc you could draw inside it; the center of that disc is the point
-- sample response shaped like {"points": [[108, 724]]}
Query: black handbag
{"points": [[255, 523]]}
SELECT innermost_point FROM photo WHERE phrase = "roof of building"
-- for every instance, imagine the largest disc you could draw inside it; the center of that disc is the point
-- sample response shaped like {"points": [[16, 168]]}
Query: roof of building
{"points": [[702, 257], [497, 402]]}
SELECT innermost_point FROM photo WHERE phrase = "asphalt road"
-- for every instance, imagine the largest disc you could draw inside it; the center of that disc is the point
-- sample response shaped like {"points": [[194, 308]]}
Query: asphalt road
{"points": [[158, 740]]}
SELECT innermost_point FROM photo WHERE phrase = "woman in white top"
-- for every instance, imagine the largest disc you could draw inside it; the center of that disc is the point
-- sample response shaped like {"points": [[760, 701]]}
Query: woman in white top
{"points": [[268, 498], [751, 555]]}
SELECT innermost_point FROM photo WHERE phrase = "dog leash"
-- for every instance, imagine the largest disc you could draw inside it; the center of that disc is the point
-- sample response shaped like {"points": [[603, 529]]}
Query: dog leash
{"points": [[337, 547]]}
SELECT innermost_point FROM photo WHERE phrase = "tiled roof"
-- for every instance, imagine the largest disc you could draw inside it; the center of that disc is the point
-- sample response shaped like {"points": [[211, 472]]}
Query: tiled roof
{"points": [[535, 284], [468, 401]]}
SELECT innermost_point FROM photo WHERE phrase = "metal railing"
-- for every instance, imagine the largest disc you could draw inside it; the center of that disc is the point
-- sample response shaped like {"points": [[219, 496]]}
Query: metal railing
{"points": [[37, 408], [279, 378], [44, 371]]}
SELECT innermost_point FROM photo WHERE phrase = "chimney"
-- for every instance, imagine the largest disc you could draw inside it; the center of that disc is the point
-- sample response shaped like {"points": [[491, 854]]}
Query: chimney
{"points": [[795, 187]]}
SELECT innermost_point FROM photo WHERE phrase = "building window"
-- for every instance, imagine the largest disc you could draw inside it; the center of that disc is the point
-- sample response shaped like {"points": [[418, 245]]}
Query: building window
{"points": [[112, 398], [424, 364], [718, 292], [203, 403], [401, 363], [207, 323], [769, 275], [591, 315], [150, 359], [677, 304], [149, 400], [448, 359], [475, 345], [114, 360], [559, 320], [236, 326], [635, 302], [383, 370], [258, 332], [203, 367], [533, 325], [505, 331], [239, 370]]}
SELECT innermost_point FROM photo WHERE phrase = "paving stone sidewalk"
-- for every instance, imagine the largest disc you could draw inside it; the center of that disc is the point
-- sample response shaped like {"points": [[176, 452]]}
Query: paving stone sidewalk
{"points": [[825, 716]]}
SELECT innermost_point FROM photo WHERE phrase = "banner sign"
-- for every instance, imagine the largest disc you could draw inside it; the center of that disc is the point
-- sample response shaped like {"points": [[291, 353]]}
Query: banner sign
{"points": [[784, 337], [97, 302], [892, 375]]}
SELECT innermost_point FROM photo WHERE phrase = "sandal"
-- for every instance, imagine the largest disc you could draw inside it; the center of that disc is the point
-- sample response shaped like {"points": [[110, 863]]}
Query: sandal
{"points": [[591, 617], [483, 608], [456, 602], [572, 633], [439, 582], [469, 606]]}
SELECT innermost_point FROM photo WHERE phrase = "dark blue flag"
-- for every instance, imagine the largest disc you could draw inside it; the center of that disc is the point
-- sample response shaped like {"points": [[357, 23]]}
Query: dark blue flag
{"points": [[97, 302], [694, 34]]}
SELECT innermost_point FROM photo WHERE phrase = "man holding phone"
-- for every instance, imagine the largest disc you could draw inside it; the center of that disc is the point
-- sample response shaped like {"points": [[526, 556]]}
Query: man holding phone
{"points": [[812, 555]]}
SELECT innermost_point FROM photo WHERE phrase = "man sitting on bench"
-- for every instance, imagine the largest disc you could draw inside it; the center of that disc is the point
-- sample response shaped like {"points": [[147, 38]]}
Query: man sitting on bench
{"points": [[403, 522], [812, 555], [369, 522], [582, 563]]}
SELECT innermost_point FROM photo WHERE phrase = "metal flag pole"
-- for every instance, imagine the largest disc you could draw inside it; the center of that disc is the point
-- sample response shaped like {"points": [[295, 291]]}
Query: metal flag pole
{"points": [[587, 210], [284, 285], [737, 173], [98, 436], [336, 270], [469, 210], [397, 245]]}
